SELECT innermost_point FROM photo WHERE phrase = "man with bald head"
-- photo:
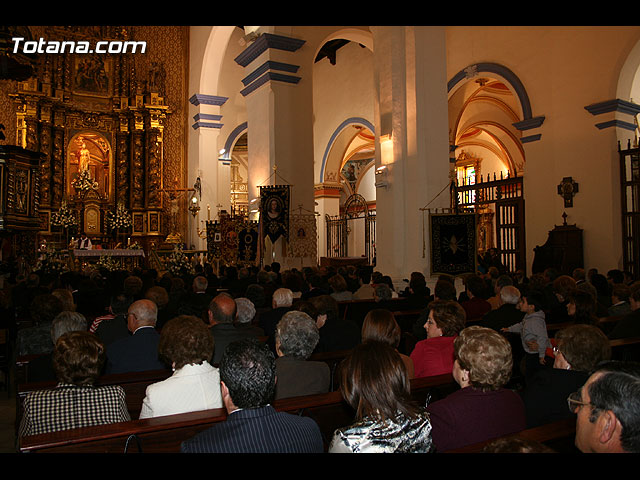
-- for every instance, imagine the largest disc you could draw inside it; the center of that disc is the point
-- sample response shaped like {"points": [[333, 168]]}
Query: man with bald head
{"points": [[222, 320], [139, 351]]}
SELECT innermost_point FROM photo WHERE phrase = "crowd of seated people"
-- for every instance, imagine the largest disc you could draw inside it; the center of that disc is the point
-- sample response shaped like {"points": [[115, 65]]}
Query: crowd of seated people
{"points": [[144, 321]]}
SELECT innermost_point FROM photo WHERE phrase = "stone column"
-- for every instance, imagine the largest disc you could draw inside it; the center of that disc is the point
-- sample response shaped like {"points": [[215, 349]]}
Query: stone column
{"points": [[412, 143], [278, 93], [214, 174]]}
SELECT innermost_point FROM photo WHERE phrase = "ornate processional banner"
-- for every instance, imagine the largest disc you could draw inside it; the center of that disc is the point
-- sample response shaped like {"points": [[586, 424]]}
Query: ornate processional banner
{"points": [[233, 240], [248, 242], [213, 238], [453, 243], [303, 236], [274, 211]]}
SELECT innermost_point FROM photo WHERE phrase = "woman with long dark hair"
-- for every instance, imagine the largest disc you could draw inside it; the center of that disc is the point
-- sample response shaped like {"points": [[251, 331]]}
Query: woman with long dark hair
{"points": [[374, 382]]}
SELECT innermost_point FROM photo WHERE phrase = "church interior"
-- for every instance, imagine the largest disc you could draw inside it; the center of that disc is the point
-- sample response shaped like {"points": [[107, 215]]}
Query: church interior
{"points": [[399, 148]]}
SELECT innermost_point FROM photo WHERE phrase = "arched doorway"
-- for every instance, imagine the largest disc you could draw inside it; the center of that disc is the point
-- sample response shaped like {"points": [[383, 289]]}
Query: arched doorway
{"points": [[487, 108], [351, 231]]}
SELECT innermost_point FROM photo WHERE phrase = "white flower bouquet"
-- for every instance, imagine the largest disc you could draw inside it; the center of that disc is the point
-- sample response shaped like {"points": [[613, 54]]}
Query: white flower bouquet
{"points": [[120, 219]]}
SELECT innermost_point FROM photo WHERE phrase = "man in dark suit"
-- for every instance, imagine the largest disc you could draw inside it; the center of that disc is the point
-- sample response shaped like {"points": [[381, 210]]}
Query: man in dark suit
{"points": [[335, 333], [197, 302], [505, 315], [281, 303], [139, 351], [247, 382], [111, 329], [222, 314], [629, 325]]}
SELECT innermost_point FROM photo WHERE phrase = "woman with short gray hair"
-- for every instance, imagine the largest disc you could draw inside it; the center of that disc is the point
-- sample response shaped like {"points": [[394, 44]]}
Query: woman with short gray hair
{"points": [[296, 337]]}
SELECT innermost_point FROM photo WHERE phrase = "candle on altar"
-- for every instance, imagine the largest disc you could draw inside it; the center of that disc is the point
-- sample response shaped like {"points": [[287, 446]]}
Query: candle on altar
{"points": [[208, 212]]}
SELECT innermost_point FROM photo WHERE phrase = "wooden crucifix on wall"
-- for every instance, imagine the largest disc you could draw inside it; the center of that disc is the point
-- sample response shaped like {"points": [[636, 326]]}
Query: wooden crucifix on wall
{"points": [[567, 190]]}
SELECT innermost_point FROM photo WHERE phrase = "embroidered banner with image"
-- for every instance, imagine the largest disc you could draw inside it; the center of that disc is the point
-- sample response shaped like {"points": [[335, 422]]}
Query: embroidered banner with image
{"points": [[303, 236], [453, 243], [274, 211]]}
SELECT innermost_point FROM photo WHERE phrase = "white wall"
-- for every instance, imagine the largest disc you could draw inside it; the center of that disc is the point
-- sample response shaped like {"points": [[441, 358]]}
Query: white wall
{"points": [[564, 69]]}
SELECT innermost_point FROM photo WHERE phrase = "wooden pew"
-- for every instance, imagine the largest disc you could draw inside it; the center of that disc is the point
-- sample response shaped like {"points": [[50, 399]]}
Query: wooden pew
{"points": [[22, 367], [165, 434], [134, 385], [333, 360], [558, 436], [355, 310], [625, 349]]}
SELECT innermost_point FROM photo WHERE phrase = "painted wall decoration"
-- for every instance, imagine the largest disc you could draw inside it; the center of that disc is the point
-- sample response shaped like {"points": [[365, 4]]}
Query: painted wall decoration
{"points": [[352, 170]]}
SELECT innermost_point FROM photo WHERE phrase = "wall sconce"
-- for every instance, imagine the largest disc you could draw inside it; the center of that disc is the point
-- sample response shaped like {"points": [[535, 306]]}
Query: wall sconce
{"points": [[381, 177], [194, 208], [386, 149], [253, 205], [197, 187], [223, 157]]}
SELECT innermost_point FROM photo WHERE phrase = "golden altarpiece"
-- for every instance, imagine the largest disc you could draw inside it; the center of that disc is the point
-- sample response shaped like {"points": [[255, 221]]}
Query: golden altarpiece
{"points": [[98, 122]]}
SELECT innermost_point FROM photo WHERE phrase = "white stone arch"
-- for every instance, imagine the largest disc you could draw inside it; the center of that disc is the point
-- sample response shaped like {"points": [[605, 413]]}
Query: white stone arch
{"points": [[207, 48], [326, 132], [628, 88]]}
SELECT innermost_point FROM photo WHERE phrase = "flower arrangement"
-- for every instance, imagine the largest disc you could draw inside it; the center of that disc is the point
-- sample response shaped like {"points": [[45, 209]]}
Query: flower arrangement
{"points": [[51, 262], [64, 217], [84, 182], [135, 246], [107, 261], [120, 219], [178, 263]]}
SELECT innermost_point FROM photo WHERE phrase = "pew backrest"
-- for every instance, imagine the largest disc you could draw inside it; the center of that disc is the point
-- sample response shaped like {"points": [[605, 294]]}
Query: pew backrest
{"points": [[558, 436], [134, 385], [165, 434]]}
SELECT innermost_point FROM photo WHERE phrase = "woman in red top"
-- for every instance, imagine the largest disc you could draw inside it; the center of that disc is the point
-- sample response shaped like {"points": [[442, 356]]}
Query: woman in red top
{"points": [[434, 356]]}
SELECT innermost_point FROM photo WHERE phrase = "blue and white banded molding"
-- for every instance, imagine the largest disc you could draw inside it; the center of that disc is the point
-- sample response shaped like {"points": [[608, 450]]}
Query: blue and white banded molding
{"points": [[614, 107], [207, 120], [269, 71]]}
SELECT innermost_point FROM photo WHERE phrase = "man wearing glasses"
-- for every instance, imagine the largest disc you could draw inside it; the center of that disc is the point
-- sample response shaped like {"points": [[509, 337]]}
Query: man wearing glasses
{"points": [[608, 409]]}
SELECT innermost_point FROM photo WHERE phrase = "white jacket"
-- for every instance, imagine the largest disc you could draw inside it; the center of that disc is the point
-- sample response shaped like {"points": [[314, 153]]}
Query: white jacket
{"points": [[191, 388]]}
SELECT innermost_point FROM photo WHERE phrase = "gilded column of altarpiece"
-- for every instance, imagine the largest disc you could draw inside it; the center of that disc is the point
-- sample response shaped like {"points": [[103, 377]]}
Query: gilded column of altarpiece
{"points": [[103, 114]]}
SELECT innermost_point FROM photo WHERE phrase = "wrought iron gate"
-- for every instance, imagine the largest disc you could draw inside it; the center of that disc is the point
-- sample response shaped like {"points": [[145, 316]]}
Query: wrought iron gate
{"points": [[339, 226], [507, 197], [630, 190]]}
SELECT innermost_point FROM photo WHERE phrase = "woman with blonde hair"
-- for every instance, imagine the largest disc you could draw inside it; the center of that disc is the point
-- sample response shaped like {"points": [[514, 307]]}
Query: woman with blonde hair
{"points": [[482, 408], [186, 344]]}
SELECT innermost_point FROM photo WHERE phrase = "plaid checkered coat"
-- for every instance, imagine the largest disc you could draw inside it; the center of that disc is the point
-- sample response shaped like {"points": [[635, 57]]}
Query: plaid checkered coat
{"points": [[71, 406]]}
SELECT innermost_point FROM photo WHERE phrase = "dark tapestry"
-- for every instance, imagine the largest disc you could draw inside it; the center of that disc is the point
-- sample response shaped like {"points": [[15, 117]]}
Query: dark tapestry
{"points": [[248, 242], [213, 238], [274, 211], [453, 243]]}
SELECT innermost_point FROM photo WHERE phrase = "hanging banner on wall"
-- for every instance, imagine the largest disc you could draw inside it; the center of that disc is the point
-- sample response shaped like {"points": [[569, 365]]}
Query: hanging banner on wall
{"points": [[233, 240], [248, 242], [274, 211], [453, 243], [213, 238], [303, 238]]}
